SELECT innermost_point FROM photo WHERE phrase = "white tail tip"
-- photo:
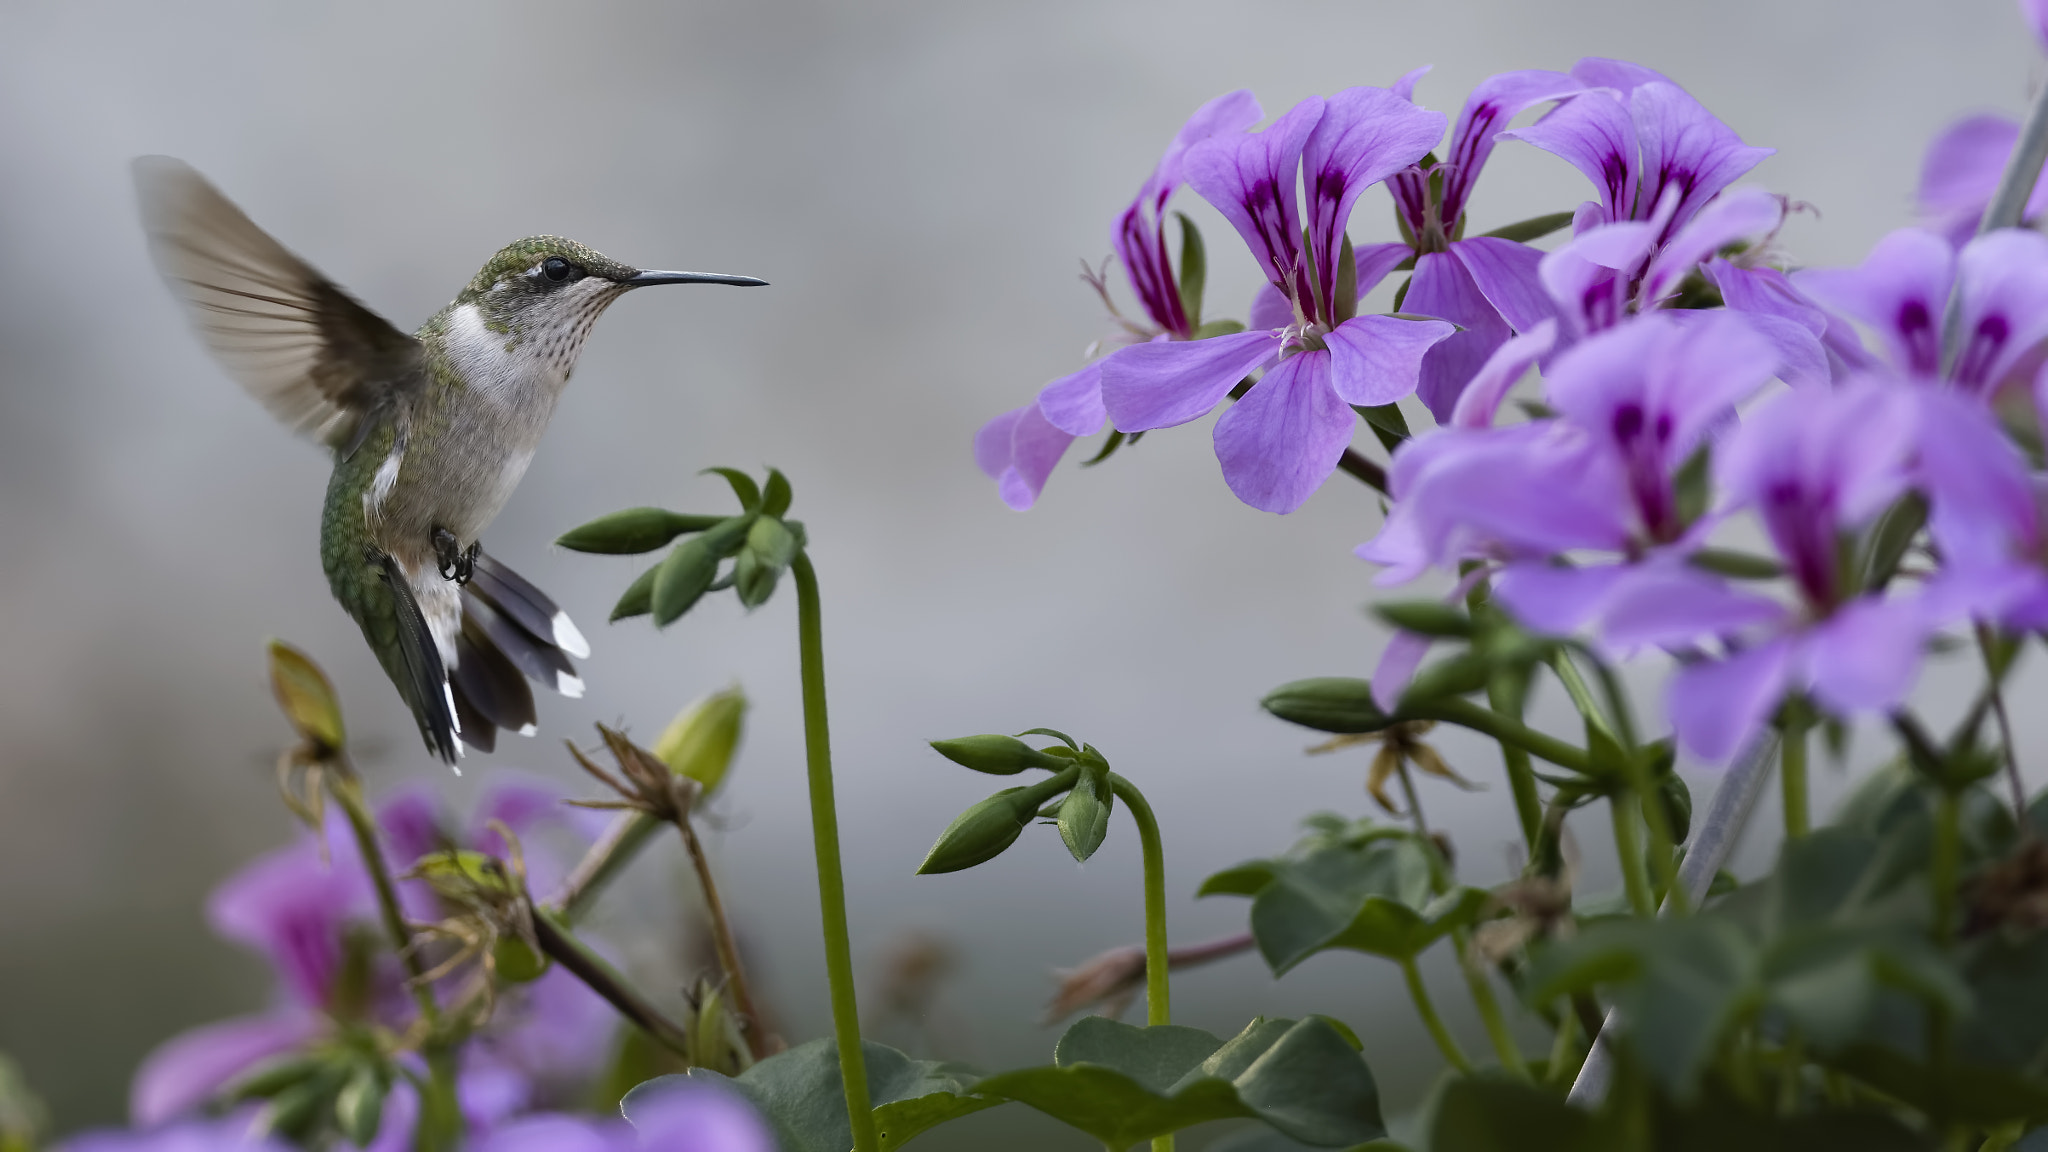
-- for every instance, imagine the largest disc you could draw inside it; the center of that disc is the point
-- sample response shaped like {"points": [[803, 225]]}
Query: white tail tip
{"points": [[567, 638], [570, 686]]}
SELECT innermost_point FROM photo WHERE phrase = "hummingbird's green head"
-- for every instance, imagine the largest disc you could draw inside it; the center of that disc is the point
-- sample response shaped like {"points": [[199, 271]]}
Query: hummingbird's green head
{"points": [[541, 295]]}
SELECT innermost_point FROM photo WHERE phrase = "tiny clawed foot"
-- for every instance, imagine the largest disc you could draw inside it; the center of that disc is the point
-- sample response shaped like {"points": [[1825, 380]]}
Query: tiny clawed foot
{"points": [[456, 562]]}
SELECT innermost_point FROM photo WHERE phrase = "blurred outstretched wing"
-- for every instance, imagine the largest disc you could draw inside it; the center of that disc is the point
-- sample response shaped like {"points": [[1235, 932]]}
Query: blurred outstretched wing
{"points": [[315, 357]]}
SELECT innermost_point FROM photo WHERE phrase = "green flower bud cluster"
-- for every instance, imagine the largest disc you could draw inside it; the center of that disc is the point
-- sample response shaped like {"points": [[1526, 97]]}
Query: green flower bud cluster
{"points": [[339, 1089], [757, 540], [984, 831]]}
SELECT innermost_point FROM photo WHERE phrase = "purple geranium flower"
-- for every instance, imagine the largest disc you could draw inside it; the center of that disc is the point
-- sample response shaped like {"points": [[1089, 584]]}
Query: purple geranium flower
{"points": [[225, 1134], [303, 905], [1457, 279], [1283, 439], [1019, 448], [1902, 290], [1964, 163], [699, 1116], [1987, 513], [1815, 464]]}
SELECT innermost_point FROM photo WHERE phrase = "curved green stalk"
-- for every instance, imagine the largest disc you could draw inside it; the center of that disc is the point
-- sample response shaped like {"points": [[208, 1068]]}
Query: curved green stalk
{"points": [[440, 1121], [1521, 775], [1506, 729], [1792, 779], [825, 837], [1629, 846], [1157, 1007], [1489, 1006], [1426, 1008]]}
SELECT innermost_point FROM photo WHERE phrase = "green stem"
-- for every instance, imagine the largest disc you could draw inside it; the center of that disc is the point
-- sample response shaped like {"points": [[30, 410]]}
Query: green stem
{"points": [[1426, 1008], [621, 841], [1157, 962], [1629, 846], [1485, 721], [1582, 696], [1792, 778], [600, 977], [1946, 867], [1489, 1007], [1158, 1009], [440, 1120], [1521, 775], [1619, 723], [825, 836], [1562, 1067]]}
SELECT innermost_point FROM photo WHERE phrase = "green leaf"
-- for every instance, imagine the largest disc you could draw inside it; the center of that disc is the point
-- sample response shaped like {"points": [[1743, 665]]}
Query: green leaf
{"points": [[1692, 485], [1194, 270], [1124, 1085], [1736, 565], [1387, 423], [776, 497], [1889, 539], [1484, 1114], [1055, 733], [1327, 704], [743, 486], [1426, 617], [1219, 328], [801, 1094], [1346, 304], [1373, 897], [1084, 814], [1534, 228], [1964, 1093], [632, 531]]}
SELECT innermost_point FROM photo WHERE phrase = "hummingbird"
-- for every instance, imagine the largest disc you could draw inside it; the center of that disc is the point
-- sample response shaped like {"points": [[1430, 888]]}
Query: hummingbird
{"points": [[430, 434]]}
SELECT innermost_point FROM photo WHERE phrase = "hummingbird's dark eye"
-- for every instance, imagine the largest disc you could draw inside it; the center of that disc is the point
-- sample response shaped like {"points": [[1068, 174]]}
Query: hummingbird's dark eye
{"points": [[557, 269]]}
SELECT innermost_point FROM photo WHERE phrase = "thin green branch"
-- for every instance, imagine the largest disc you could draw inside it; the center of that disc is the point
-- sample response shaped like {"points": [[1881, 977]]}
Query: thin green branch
{"points": [[1485, 721], [576, 957], [1426, 1008], [825, 839], [1158, 1007]]}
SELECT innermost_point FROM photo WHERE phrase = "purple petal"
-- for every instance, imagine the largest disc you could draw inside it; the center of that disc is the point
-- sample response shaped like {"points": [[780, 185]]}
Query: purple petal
{"points": [[1374, 261], [1482, 398], [1398, 662], [1441, 287], [1866, 657], [1073, 404], [1553, 600], [1669, 604], [1620, 75], [1715, 705], [1162, 384], [1250, 179], [1745, 213], [1227, 115], [1982, 493], [1900, 290], [1774, 306], [1405, 86], [1364, 136], [186, 1071], [1035, 447], [692, 1117], [1594, 133], [1506, 274], [1376, 359], [2002, 279], [1272, 309], [2035, 13], [1528, 490], [233, 1133], [992, 444], [293, 908], [1961, 171], [561, 1132], [1497, 100], [1687, 148], [1279, 443]]}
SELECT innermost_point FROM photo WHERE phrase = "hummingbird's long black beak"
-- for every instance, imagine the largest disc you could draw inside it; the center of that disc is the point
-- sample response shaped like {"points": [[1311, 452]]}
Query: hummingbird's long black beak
{"points": [[643, 279]]}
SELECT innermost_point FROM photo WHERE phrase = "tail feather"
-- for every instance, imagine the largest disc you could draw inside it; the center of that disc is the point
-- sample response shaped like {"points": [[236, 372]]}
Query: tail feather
{"points": [[477, 732], [488, 681], [426, 679], [528, 605]]}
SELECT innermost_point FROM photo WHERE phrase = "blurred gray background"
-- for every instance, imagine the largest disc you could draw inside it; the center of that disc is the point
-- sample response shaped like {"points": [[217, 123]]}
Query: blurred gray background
{"points": [[918, 181]]}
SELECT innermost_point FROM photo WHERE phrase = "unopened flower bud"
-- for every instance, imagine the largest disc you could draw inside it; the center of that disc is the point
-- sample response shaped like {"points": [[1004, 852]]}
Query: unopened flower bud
{"points": [[1327, 704], [633, 530], [982, 832], [700, 742], [996, 755], [307, 698]]}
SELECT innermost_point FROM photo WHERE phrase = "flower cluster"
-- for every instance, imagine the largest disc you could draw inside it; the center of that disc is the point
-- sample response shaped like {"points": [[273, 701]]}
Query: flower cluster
{"points": [[309, 909], [1689, 384]]}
